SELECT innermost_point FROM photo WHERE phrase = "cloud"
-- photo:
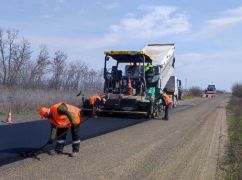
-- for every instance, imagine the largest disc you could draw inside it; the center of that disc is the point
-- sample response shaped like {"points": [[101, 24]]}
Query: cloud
{"points": [[46, 16], [81, 11], [157, 21], [231, 16], [221, 67], [60, 1], [214, 26], [235, 11], [108, 6], [188, 59], [195, 58]]}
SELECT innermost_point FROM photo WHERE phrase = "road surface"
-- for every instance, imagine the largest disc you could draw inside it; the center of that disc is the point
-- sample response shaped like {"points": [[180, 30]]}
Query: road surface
{"points": [[188, 146]]}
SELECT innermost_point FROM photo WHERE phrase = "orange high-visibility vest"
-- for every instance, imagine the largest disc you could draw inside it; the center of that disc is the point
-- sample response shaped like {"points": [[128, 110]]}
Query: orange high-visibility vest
{"points": [[92, 100], [166, 98], [62, 121]]}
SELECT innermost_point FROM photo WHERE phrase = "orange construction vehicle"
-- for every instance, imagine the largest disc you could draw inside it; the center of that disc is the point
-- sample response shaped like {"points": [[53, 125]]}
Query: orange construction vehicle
{"points": [[210, 91]]}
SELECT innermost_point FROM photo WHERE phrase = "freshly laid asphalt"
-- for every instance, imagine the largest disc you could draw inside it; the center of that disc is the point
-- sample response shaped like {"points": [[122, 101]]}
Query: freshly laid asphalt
{"points": [[27, 137], [16, 139]]}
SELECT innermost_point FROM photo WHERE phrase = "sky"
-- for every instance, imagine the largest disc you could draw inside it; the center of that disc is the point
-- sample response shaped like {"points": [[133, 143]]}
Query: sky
{"points": [[207, 34]]}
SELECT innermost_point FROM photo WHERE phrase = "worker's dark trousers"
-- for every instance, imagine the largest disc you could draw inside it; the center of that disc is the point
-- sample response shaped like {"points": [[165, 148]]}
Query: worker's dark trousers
{"points": [[75, 134], [167, 107]]}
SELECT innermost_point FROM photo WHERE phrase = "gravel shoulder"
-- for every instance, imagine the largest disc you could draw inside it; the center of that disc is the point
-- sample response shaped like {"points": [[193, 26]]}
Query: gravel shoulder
{"points": [[188, 146]]}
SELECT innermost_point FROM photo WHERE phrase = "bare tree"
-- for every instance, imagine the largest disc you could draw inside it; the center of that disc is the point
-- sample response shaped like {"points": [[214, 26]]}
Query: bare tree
{"points": [[13, 56], [21, 57], [57, 68], [18, 69], [12, 49], [74, 75], [39, 67], [3, 57]]}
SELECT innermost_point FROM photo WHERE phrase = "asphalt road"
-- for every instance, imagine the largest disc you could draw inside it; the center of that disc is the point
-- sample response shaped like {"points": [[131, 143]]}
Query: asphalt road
{"points": [[187, 146], [29, 136]]}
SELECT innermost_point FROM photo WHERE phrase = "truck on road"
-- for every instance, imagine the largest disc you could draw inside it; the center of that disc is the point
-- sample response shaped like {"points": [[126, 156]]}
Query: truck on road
{"points": [[135, 79]]}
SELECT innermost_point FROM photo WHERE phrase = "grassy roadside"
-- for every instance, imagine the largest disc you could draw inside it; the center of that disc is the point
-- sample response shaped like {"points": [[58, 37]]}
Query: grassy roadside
{"points": [[232, 164], [20, 117]]}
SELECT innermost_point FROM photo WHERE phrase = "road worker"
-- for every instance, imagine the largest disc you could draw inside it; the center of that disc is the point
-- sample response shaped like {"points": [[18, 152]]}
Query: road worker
{"points": [[149, 74], [94, 103], [167, 101], [63, 116], [148, 68]]}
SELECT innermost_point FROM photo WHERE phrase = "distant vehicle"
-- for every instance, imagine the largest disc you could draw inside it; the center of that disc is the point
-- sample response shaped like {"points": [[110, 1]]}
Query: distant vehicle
{"points": [[174, 88], [210, 91]]}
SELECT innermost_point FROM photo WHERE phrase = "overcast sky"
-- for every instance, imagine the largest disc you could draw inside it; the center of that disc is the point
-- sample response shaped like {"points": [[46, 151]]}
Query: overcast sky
{"points": [[207, 34]]}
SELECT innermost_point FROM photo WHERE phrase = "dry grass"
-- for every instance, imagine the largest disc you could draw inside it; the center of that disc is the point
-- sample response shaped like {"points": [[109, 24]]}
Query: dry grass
{"points": [[233, 161], [29, 100]]}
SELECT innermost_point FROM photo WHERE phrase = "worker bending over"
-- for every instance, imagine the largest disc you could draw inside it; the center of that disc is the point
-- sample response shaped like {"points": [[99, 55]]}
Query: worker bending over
{"points": [[166, 101], [94, 103], [63, 116]]}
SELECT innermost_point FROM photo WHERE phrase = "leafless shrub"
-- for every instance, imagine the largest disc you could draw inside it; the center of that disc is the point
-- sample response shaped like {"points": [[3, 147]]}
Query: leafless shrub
{"points": [[237, 89], [194, 91]]}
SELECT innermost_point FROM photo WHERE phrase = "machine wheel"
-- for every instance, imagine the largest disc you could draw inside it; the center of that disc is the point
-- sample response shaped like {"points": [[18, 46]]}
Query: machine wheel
{"points": [[149, 115], [150, 111]]}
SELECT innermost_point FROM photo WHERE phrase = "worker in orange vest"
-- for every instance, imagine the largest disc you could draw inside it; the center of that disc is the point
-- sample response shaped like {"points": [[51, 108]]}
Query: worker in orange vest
{"points": [[63, 116], [94, 102], [167, 101]]}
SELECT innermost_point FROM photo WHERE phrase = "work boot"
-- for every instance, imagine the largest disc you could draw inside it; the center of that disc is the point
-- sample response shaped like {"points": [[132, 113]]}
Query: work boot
{"points": [[75, 150], [59, 148], [74, 153]]}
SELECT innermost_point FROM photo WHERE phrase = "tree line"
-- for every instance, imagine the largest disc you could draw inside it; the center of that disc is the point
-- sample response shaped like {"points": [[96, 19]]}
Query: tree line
{"points": [[19, 68]]}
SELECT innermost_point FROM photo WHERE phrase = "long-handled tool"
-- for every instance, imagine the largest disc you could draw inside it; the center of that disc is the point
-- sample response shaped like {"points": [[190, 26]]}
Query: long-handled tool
{"points": [[36, 152]]}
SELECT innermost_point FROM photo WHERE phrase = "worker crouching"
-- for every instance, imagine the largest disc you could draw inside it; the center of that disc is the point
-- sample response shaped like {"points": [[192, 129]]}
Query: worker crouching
{"points": [[63, 116]]}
